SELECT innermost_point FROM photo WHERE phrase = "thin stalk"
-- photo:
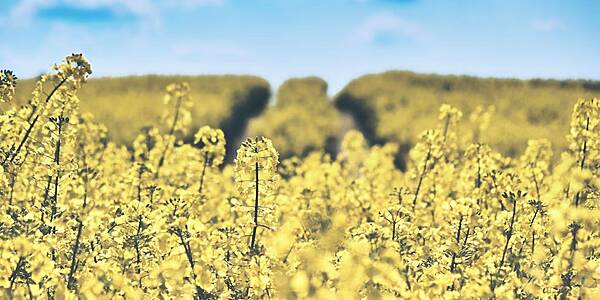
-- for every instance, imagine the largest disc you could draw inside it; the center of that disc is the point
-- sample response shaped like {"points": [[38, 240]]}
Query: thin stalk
{"points": [[29, 293], [496, 188], [54, 204], [582, 163], [446, 125], [177, 107], [584, 150], [200, 292], [35, 120], [136, 243], [200, 189], [253, 241], [407, 278], [14, 274], [573, 248], [453, 262], [56, 179], [46, 196], [467, 237], [508, 237], [13, 182], [575, 226], [478, 179], [161, 161], [59, 121], [139, 185], [86, 177], [537, 186], [418, 188], [393, 220], [394, 230], [74, 261], [535, 213]]}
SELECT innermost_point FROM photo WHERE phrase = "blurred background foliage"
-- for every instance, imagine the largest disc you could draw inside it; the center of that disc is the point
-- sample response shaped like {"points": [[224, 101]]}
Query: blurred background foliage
{"points": [[392, 106], [398, 105], [301, 120], [127, 104]]}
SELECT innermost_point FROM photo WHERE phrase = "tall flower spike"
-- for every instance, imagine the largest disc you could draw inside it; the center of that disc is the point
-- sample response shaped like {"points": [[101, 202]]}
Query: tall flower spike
{"points": [[212, 149], [75, 67], [584, 137], [8, 83], [178, 95], [256, 173], [178, 120], [256, 152], [211, 142], [69, 76], [448, 116]]}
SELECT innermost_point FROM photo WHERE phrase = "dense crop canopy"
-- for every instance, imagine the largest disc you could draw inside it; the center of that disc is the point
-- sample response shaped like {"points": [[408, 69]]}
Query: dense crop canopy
{"points": [[84, 218]]}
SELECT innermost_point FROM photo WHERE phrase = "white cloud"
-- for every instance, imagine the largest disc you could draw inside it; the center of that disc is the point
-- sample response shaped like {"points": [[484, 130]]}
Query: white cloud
{"points": [[59, 40], [547, 25], [389, 24]]}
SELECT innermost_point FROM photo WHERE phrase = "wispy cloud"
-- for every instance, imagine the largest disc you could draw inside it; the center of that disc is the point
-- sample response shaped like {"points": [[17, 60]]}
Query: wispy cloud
{"points": [[62, 13], [146, 11], [27, 10], [388, 26], [547, 25], [60, 40], [194, 3]]}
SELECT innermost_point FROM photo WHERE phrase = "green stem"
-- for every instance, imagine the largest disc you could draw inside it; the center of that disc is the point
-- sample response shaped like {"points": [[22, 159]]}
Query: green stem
{"points": [[35, 120], [203, 173], [508, 237], [74, 262], [255, 227], [418, 188]]}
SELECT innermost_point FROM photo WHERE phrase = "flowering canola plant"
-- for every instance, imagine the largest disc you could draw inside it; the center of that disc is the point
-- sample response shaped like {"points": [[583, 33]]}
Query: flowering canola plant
{"points": [[85, 218]]}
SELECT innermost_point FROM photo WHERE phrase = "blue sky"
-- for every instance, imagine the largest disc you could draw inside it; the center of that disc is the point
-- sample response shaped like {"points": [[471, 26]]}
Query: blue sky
{"points": [[335, 39]]}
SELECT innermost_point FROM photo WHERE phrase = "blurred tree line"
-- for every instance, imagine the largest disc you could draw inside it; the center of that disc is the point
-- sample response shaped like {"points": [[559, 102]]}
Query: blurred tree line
{"points": [[392, 106], [398, 105], [127, 104]]}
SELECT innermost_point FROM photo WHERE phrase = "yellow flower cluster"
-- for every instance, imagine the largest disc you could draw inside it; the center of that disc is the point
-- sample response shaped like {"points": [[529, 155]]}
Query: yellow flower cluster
{"points": [[8, 82], [212, 148], [75, 68], [212, 145], [256, 166], [84, 218], [178, 95]]}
